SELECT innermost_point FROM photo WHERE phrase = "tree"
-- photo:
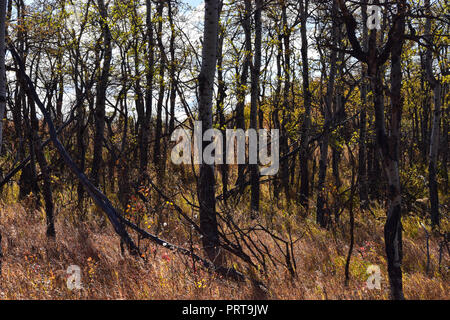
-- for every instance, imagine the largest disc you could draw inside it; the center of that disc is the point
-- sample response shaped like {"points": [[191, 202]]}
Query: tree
{"points": [[2, 67], [304, 171], [255, 70], [102, 85], [327, 112], [2, 85], [242, 80], [435, 84], [388, 143], [362, 149], [157, 159], [206, 182]]}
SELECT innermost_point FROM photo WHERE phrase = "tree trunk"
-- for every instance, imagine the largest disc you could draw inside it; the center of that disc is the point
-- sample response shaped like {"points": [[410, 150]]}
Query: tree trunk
{"points": [[158, 131], [2, 86], [148, 90], [434, 147], [434, 139], [362, 144], [2, 68], [241, 92], [286, 109], [255, 70], [206, 184], [321, 218], [221, 94], [99, 114], [46, 188], [389, 146], [173, 64], [304, 172]]}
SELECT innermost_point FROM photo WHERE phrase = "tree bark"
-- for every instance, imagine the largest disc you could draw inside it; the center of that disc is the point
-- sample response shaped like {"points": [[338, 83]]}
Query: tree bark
{"points": [[99, 114], [2, 85], [255, 71], [321, 218], [159, 105], [2, 68], [304, 172], [148, 89], [206, 183], [389, 146], [362, 148], [46, 188], [434, 139], [241, 92]]}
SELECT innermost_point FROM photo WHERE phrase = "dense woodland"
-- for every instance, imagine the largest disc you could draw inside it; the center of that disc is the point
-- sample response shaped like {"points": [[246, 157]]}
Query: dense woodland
{"points": [[92, 90]]}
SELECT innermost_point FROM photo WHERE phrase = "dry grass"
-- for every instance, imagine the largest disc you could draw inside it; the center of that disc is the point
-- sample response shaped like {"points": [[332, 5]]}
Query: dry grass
{"points": [[35, 267]]}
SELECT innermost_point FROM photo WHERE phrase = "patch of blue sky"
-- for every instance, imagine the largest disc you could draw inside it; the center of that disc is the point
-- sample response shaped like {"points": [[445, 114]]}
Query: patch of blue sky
{"points": [[193, 3]]}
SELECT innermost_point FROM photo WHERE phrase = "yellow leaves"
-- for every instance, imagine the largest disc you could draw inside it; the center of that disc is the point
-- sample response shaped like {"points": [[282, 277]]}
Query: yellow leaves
{"points": [[446, 79], [201, 284], [54, 178], [163, 282], [244, 87], [219, 127], [91, 268]]}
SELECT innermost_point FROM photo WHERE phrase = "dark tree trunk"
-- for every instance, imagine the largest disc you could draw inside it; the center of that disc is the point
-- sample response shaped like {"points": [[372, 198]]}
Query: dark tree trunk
{"points": [[206, 183], [159, 106], [321, 218], [434, 139], [362, 143], [241, 92], [2, 88], [286, 110], [221, 94], [304, 157], [148, 90], [173, 64], [255, 71], [46, 188], [99, 113], [390, 146]]}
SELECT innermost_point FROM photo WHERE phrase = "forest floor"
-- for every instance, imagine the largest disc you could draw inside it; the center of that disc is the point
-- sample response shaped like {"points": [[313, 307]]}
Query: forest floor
{"points": [[34, 267]]}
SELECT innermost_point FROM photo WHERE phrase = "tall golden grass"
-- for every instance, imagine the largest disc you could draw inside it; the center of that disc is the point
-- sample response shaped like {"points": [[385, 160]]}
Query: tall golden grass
{"points": [[34, 267]]}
